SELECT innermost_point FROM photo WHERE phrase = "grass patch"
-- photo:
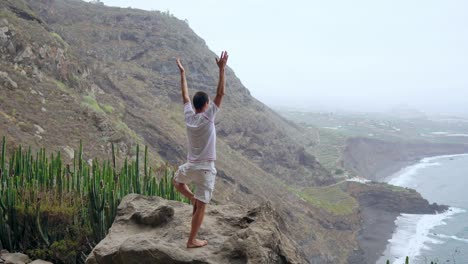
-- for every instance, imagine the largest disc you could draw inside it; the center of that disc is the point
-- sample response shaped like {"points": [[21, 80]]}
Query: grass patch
{"points": [[395, 188], [330, 198], [121, 126], [329, 148], [90, 102], [107, 108], [59, 39], [7, 116], [62, 87]]}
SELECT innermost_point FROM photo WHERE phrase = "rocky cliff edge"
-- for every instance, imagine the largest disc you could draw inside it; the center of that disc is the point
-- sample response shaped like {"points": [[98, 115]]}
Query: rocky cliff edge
{"points": [[155, 230]]}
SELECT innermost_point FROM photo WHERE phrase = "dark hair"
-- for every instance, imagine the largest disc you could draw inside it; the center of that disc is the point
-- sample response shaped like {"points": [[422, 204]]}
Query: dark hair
{"points": [[200, 99]]}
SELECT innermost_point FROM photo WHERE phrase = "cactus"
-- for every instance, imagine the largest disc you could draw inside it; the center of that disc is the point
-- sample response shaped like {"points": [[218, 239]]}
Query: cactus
{"points": [[38, 224], [137, 170], [88, 195], [3, 161]]}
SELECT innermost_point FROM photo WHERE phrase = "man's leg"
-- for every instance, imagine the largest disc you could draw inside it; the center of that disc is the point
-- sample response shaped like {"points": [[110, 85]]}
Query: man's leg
{"points": [[197, 220], [185, 191]]}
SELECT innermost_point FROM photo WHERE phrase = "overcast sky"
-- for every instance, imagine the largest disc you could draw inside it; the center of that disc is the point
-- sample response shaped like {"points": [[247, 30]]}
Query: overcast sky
{"points": [[338, 54]]}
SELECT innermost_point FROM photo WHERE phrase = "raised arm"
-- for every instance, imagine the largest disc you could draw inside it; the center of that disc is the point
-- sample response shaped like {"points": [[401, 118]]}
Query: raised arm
{"points": [[183, 82], [221, 62]]}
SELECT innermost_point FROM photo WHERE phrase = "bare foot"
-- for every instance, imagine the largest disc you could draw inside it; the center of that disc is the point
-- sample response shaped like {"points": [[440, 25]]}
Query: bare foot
{"points": [[197, 243]]}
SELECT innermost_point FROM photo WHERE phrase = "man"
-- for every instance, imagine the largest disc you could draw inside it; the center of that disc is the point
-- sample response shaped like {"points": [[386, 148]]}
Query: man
{"points": [[201, 134]]}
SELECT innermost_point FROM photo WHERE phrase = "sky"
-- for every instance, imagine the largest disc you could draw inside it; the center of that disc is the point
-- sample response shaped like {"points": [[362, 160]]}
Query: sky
{"points": [[361, 55]]}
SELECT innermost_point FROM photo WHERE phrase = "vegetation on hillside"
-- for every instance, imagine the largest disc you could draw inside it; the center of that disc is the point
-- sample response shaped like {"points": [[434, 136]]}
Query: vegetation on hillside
{"points": [[58, 211], [331, 130]]}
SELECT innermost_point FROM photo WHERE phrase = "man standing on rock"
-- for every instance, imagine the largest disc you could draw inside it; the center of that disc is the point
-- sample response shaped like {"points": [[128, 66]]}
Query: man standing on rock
{"points": [[201, 134]]}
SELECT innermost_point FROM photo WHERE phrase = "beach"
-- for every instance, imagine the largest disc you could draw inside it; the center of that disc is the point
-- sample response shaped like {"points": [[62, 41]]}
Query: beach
{"points": [[440, 237]]}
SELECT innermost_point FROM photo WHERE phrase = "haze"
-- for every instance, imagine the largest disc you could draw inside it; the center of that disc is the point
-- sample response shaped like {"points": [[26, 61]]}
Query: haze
{"points": [[338, 55]]}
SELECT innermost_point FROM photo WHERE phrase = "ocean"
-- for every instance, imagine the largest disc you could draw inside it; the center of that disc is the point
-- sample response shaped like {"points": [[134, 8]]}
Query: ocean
{"points": [[443, 237]]}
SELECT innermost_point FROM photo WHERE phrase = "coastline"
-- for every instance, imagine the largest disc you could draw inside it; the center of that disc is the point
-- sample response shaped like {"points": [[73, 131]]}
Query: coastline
{"points": [[377, 228], [395, 170], [376, 159], [378, 225], [397, 174]]}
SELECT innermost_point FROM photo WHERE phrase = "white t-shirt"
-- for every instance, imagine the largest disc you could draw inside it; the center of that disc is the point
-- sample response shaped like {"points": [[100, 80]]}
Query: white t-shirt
{"points": [[201, 133]]}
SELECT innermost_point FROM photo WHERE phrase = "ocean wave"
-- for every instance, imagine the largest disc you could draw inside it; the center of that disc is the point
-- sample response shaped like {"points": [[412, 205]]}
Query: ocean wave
{"points": [[413, 235], [451, 237], [429, 159], [406, 175]]}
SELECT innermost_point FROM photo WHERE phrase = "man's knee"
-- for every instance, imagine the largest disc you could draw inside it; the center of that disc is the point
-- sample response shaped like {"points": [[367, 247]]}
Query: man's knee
{"points": [[177, 184], [200, 204]]}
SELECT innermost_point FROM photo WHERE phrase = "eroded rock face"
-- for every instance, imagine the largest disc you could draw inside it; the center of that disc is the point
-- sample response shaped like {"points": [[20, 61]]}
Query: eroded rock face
{"points": [[234, 234]]}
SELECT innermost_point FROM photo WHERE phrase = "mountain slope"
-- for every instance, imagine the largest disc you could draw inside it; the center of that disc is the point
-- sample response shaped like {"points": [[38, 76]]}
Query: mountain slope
{"points": [[128, 57], [71, 70], [74, 71]]}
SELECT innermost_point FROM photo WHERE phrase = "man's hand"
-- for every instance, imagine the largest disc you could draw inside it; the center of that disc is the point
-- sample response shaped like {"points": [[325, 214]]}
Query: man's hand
{"points": [[179, 64], [222, 60]]}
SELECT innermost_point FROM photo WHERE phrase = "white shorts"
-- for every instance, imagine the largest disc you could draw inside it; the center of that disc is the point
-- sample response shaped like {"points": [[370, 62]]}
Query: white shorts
{"points": [[202, 175]]}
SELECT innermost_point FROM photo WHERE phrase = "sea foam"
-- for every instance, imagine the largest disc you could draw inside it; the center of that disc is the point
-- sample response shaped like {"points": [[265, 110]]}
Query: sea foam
{"points": [[406, 174], [451, 237], [413, 234]]}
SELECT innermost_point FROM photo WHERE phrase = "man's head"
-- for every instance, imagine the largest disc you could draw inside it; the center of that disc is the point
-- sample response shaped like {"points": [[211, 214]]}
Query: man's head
{"points": [[200, 101]]}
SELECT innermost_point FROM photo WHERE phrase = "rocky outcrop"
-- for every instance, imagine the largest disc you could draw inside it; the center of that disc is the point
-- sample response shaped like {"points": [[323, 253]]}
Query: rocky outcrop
{"points": [[7, 81], [154, 230], [376, 159]]}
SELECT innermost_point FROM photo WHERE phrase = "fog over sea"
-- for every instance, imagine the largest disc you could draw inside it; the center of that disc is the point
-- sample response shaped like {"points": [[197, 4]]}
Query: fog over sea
{"points": [[443, 237]]}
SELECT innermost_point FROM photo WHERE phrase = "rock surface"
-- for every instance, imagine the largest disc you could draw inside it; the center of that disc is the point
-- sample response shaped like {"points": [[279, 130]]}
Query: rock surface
{"points": [[15, 258], [154, 230], [18, 258], [7, 81]]}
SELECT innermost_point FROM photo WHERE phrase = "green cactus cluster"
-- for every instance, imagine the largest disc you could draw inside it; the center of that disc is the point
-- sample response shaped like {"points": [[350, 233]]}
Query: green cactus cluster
{"points": [[45, 203]]}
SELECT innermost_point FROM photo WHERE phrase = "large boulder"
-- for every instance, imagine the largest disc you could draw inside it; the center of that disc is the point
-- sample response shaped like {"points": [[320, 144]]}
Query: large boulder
{"points": [[155, 230]]}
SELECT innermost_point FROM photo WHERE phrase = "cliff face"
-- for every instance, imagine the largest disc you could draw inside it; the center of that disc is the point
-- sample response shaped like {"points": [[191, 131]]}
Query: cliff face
{"points": [[376, 159]]}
